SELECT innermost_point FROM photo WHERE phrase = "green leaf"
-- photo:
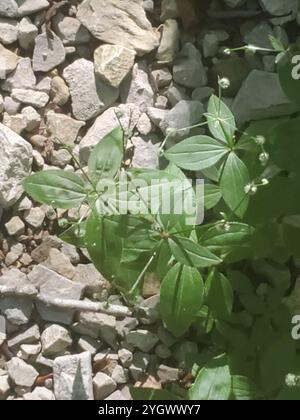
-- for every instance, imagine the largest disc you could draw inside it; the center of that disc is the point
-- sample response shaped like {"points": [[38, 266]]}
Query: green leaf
{"points": [[190, 253], [196, 153], [221, 121], [276, 44], [284, 147], [106, 158], [234, 179], [139, 242], [276, 361], [218, 238], [181, 297], [149, 394], [75, 235], [213, 382], [244, 388], [219, 294], [289, 71], [212, 195], [57, 188]]}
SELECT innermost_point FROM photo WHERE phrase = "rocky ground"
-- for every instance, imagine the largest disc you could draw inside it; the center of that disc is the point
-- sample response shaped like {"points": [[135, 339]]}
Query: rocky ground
{"points": [[65, 68]]}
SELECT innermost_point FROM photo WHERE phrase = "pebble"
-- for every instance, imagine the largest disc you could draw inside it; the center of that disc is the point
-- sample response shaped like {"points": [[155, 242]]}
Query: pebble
{"points": [[143, 340], [15, 226], [34, 217], [103, 386], [48, 52], [21, 373], [8, 30], [55, 340]]}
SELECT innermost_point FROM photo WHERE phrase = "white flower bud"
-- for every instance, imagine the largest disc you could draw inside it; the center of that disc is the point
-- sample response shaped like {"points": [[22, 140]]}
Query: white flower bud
{"points": [[264, 158], [260, 140], [265, 181], [224, 83]]}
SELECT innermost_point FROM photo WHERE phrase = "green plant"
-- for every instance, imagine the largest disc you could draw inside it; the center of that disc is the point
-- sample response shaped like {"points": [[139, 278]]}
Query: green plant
{"points": [[222, 282]]}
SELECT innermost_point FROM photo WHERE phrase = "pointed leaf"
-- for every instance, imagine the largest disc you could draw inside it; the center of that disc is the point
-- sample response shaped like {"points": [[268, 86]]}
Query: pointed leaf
{"points": [[196, 153], [221, 121], [181, 298], [234, 179], [219, 295], [61, 189]]}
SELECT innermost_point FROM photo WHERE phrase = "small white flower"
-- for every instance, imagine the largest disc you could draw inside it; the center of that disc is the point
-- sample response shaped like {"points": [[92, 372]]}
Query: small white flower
{"points": [[224, 83], [260, 140], [227, 51], [265, 181], [264, 158], [250, 189], [227, 227]]}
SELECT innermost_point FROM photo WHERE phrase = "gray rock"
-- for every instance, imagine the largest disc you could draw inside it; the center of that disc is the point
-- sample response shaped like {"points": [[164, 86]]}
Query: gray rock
{"points": [[8, 61], [9, 8], [31, 118], [118, 22], [15, 165], [59, 91], [55, 340], [126, 357], [162, 351], [277, 8], [105, 123], [2, 330], [189, 70], [28, 336], [113, 63], [202, 93], [169, 44], [259, 35], [103, 386], [30, 97], [88, 344], [210, 44], [39, 394], [176, 94], [144, 125], [8, 30], [27, 32], [119, 375], [15, 123], [48, 52], [90, 95], [21, 373], [22, 78], [60, 263], [16, 310], [144, 340], [11, 106], [53, 285], [145, 153], [162, 77], [4, 387], [89, 278], [15, 226], [70, 30], [167, 374], [34, 217], [260, 97], [116, 396], [29, 351], [139, 365], [28, 7], [104, 325], [137, 89], [73, 377], [169, 10], [63, 127]]}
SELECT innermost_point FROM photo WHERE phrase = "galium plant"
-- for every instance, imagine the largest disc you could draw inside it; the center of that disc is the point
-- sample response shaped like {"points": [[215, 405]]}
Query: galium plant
{"points": [[222, 282]]}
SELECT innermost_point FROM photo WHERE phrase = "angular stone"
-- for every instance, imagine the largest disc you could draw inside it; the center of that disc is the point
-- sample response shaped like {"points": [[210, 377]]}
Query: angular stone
{"points": [[119, 375], [169, 44], [73, 377], [4, 387], [116, 396], [63, 127], [48, 52], [39, 394], [137, 89], [28, 7], [8, 31], [70, 30], [16, 310], [260, 97], [60, 263], [105, 123], [8, 61], [28, 336], [125, 357], [103, 386], [121, 23], [145, 153], [21, 373], [89, 277], [53, 285], [9, 8], [27, 32], [22, 78], [189, 70], [34, 217], [90, 95], [59, 91], [16, 159], [144, 340], [55, 340], [113, 63], [104, 324], [139, 365], [15, 226], [167, 374], [31, 117]]}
